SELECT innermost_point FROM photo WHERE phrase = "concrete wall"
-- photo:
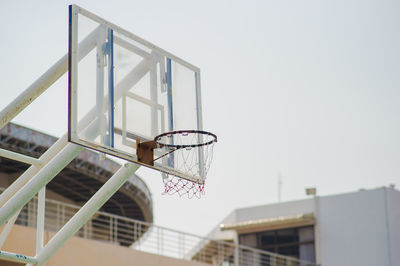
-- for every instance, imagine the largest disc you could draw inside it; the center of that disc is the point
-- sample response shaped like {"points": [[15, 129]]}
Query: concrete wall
{"points": [[354, 228], [84, 252]]}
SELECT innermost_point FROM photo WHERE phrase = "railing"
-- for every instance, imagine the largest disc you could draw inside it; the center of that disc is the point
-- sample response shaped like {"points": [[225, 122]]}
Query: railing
{"points": [[102, 226], [154, 239]]}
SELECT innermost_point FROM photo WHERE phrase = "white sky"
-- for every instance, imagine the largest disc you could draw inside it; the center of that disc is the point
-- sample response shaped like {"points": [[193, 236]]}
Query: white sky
{"points": [[308, 88]]}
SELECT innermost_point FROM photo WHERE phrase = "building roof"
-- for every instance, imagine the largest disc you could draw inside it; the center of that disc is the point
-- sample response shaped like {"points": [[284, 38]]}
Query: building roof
{"points": [[270, 223]]}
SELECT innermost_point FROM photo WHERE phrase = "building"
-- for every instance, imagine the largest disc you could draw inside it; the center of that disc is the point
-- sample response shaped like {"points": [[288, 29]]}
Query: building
{"points": [[359, 228]]}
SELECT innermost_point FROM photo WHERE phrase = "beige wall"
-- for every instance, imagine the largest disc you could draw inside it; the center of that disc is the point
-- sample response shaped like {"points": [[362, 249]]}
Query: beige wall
{"points": [[84, 252]]}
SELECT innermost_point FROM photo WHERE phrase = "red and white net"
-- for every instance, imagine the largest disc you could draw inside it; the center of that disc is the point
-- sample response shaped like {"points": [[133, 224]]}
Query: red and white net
{"points": [[190, 153]]}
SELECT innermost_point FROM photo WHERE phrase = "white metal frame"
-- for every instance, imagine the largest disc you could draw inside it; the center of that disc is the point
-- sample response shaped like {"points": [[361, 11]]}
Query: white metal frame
{"points": [[44, 169], [153, 59], [153, 104]]}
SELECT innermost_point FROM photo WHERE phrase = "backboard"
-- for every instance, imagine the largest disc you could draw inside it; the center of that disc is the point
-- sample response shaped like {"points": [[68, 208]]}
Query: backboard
{"points": [[124, 90]]}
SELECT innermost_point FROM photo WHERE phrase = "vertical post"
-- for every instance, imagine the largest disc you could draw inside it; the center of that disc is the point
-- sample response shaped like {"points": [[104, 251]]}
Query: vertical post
{"points": [[236, 259], [219, 255], [181, 245], [32, 208], [162, 241], [170, 107], [110, 229], [115, 230], [100, 82], [110, 87], [58, 217], [200, 150], [135, 234], [214, 261], [139, 233], [63, 219], [153, 97], [40, 219], [158, 241], [169, 93], [72, 71]]}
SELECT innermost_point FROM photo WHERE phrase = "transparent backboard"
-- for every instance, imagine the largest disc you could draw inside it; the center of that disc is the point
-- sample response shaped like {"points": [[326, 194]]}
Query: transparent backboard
{"points": [[124, 90]]}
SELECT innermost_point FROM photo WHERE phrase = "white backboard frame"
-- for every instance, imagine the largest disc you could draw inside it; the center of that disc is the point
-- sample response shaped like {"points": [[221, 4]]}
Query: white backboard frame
{"points": [[152, 63]]}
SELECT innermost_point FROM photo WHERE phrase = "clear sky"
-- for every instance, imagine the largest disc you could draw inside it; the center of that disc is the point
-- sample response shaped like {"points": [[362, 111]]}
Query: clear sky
{"points": [[308, 89]]}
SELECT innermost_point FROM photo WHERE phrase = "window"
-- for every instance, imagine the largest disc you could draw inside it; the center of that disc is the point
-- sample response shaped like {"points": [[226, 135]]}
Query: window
{"points": [[296, 242]]}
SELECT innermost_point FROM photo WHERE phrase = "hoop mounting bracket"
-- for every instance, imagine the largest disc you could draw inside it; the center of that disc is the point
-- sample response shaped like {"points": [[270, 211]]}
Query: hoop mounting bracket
{"points": [[145, 151]]}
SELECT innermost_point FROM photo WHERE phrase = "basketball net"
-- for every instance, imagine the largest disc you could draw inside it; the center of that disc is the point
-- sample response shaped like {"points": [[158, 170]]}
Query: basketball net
{"points": [[191, 153]]}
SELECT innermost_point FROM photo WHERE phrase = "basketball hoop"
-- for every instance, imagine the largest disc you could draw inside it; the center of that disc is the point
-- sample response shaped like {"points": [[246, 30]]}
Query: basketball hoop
{"points": [[190, 152]]}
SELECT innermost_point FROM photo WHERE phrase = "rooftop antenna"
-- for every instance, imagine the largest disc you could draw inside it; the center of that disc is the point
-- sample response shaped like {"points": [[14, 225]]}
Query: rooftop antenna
{"points": [[279, 186]]}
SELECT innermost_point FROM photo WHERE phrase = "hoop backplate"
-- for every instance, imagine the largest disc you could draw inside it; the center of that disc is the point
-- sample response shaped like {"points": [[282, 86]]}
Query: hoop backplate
{"points": [[127, 90]]}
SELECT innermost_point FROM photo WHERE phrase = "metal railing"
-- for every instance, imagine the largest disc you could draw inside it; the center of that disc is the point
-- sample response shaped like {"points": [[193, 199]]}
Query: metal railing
{"points": [[154, 239], [102, 226]]}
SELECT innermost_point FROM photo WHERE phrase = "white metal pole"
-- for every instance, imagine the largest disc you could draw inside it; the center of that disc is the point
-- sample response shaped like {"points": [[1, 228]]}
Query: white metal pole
{"points": [[40, 219], [17, 257], [44, 82], [153, 98], [87, 211], [33, 91], [25, 98], [236, 258], [19, 157], [101, 38]]}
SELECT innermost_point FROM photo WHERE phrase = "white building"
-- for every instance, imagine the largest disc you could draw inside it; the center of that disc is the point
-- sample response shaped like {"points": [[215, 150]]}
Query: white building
{"points": [[359, 228]]}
